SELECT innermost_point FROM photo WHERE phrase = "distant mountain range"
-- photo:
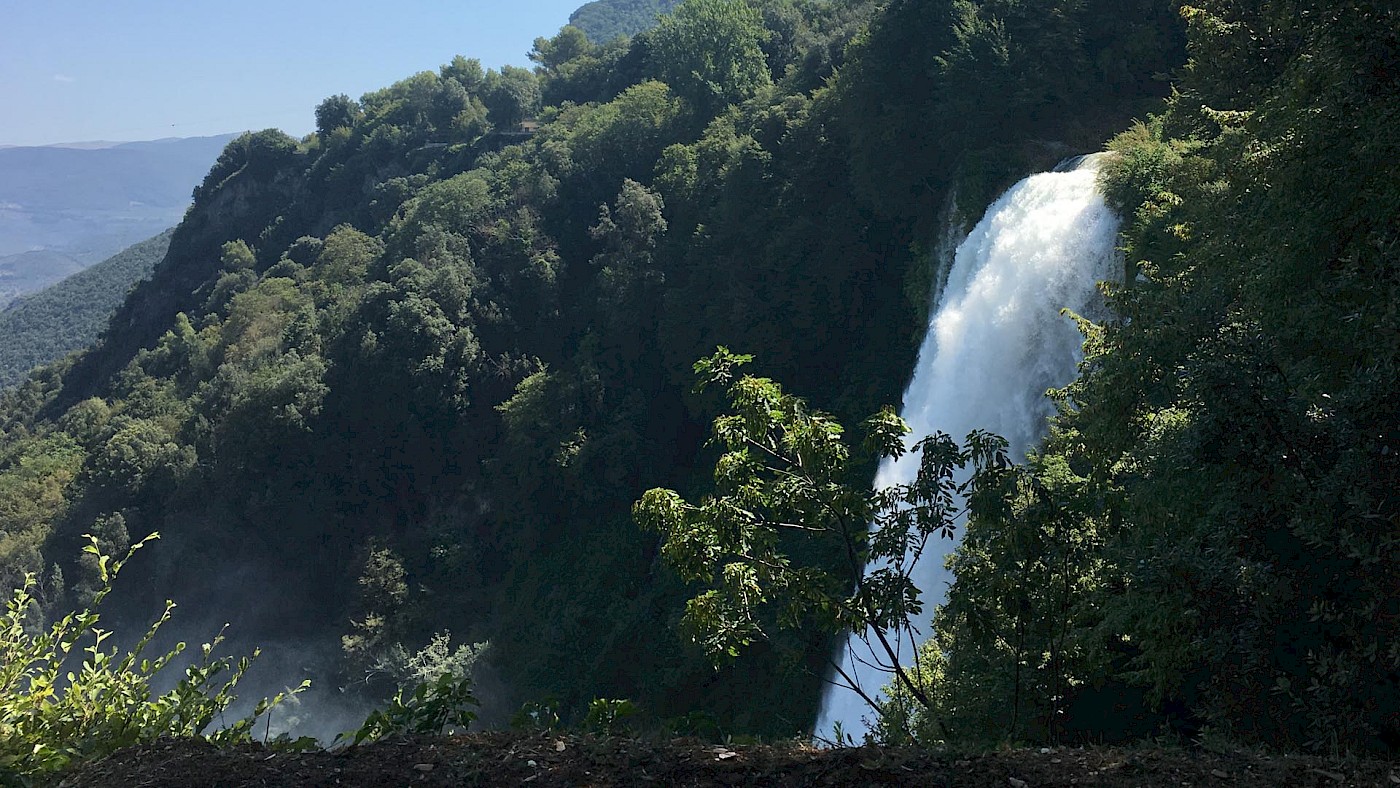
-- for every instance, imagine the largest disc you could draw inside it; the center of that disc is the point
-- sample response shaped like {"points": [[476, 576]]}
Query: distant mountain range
{"points": [[65, 207], [86, 144]]}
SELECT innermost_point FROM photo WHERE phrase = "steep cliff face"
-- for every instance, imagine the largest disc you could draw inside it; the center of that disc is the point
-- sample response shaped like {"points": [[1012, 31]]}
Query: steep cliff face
{"points": [[251, 184]]}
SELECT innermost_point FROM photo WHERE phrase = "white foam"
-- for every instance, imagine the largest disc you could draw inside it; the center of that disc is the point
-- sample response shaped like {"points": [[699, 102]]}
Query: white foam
{"points": [[996, 342]]}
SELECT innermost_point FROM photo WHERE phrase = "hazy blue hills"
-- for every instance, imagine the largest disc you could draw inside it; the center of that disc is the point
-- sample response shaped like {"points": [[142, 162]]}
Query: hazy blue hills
{"points": [[604, 20], [69, 315], [28, 272], [87, 203]]}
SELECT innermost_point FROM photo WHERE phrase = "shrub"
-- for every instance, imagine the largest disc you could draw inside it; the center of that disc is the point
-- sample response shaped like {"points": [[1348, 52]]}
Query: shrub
{"points": [[434, 707], [62, 703]]}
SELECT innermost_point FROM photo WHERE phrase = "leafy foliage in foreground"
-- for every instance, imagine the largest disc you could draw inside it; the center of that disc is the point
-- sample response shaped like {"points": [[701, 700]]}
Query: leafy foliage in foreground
{"points": [[62, 702], [435, 706], [787, 477]]}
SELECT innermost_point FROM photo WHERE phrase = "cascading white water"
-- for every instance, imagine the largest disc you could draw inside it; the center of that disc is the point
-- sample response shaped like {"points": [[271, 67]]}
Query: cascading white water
{"points": [[996, 342]]}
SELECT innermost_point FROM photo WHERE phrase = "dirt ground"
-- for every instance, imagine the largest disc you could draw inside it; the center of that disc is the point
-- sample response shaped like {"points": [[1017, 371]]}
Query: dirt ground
{"points": [[538, 760]]}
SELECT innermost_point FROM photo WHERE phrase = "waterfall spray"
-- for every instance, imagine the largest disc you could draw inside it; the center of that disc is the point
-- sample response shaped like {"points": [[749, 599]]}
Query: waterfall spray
{"points": [[995, 344]]}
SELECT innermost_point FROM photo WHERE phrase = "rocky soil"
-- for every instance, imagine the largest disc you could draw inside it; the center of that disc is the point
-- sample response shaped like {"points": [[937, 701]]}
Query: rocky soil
{"points": [[538, 760]]}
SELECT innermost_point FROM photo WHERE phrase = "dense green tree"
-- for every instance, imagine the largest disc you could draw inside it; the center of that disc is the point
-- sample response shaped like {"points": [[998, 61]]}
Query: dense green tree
{"points": [[606, 20], [141, 456], [510, 95], [257, 154], [614, 141], [35, 489], [337, 112], [709, 52], [598, 75], [631, 228], [568, 44], [465, 71]]}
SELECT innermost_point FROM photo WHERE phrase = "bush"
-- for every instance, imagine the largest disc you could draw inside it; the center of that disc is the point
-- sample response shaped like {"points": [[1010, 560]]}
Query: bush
{"points": [[433, 707], [62, 703]]}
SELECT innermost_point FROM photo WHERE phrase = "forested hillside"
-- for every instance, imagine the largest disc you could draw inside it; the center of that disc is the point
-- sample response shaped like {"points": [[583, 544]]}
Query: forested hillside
{"points": [[604, 20], [70, 315], [26, 272], [407, 375]]}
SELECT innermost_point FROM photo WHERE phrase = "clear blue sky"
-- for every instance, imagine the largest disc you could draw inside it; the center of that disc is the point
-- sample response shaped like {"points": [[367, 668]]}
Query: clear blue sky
{"points": [[78, 70]]}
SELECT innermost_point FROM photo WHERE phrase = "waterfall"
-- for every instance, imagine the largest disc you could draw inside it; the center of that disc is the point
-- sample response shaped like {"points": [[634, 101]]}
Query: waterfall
{"points": [[995, 343]]}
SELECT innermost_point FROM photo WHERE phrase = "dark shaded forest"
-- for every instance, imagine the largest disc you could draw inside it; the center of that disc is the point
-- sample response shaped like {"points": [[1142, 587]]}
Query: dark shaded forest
{"points": [[400, 382]]}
